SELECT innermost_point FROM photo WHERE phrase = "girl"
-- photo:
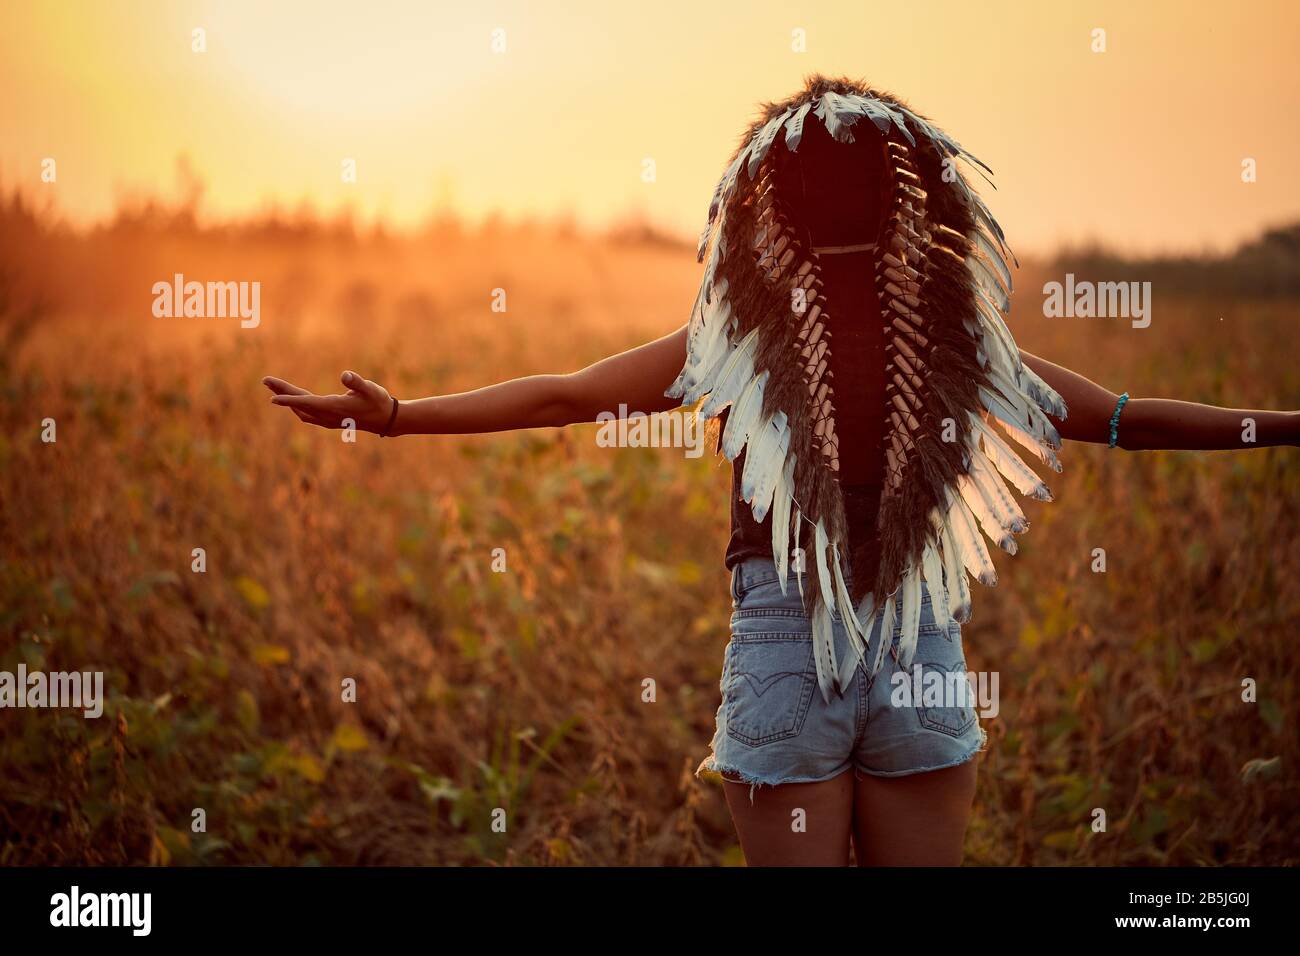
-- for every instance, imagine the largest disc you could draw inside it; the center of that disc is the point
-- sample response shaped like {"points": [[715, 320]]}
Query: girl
{"points": [[867, 473]]}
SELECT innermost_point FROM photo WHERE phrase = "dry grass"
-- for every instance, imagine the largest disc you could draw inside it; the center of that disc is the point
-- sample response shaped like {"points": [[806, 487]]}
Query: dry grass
{"points": [[522, 690]]}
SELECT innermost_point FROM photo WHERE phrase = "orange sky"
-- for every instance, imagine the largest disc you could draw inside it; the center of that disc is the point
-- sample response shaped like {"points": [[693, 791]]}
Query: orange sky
{"points": [[1140, 146]]}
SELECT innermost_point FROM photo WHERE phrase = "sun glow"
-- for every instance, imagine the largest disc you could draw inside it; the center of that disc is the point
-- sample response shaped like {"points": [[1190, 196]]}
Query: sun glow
{"points": [[1140, 145]]}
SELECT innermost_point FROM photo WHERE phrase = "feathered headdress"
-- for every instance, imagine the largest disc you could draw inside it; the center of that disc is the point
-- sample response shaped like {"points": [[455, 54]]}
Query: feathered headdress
{"points": [[758, 344]]}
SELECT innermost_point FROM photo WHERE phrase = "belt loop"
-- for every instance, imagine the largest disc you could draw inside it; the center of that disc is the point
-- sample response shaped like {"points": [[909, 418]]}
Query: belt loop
{"points": [[735, 584]]}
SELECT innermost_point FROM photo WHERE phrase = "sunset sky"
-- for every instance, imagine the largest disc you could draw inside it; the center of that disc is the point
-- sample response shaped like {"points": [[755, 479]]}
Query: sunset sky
{"points": [[1140, 146]]}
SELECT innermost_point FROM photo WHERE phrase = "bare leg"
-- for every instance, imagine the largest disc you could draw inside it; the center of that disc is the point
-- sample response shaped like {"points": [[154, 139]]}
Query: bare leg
{"points": [[773, 833], [919, 820]]}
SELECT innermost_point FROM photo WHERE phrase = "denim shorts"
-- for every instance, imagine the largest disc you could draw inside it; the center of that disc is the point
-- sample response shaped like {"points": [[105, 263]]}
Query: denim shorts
{"points": [[774, 727]]}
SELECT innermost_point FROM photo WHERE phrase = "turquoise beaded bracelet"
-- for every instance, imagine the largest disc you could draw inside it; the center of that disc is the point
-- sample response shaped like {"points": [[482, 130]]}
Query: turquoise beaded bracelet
{"points": [[1114, 420]]}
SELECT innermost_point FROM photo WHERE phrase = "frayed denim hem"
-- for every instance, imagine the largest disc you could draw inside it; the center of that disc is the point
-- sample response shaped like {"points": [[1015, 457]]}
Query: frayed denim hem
{"points": [[710, 765], [966, 758]]}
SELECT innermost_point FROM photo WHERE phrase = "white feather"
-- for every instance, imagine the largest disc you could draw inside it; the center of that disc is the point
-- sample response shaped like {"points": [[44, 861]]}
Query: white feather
{"points": [[823, 629], [714, 258], [1019, 417], [744, 417], [708, 373], [781, 521], [768, 464], [867, 617], [932, 569], [706, 356], [1022, 408], [824, 637], [985, 219], [995, 347], [887, 618], [988, 262], [734, 375], [1004, 356], [1025, 440], [911, 615], [1024, 478], [849, 617], [1047, 397], [1000, 501], [794, 127], [820, 546], [971, 546], [954, 572], [763, 140], [984, 516], [884, 117], [838, 113], [801, 558], [991, 318], [721, 193]]}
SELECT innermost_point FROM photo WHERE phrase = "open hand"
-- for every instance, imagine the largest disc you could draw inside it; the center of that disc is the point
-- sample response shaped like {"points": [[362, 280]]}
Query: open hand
{"points": [[367, 404]]}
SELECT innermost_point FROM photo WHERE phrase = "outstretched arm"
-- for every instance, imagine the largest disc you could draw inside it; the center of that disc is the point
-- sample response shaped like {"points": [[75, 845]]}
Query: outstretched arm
{"points": [[636, 378], [1150, 423]]}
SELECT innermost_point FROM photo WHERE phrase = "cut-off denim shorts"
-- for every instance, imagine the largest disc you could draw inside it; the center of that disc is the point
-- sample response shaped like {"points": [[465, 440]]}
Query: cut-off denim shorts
{"points": [[774, 727]]}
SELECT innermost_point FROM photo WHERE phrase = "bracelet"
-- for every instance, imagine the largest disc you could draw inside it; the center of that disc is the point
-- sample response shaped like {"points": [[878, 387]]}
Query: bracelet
{"points": [[1114, 420], [392, 417]]}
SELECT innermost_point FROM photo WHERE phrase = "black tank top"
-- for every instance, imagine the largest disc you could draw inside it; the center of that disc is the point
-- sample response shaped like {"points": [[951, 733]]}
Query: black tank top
{"points": [[837, 193]]}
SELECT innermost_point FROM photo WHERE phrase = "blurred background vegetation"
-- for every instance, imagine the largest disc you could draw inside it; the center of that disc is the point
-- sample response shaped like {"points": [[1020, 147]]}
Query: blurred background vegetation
{"points": [[522, 690]]}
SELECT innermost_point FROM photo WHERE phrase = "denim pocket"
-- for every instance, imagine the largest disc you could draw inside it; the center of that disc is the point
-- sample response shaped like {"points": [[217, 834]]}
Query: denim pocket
{"points": [[769, 686], [945, 698], [760, 591]]}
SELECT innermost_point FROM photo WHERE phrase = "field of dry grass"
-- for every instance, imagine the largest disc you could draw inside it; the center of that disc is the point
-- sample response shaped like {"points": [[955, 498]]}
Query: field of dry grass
{"points": [[522, 690]]}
